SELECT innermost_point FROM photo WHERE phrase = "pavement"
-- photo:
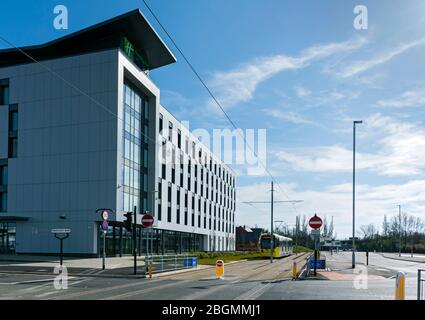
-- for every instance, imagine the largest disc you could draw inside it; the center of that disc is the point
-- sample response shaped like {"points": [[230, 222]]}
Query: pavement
{"points": [[114, 266], [244, 280], [404, 256]]}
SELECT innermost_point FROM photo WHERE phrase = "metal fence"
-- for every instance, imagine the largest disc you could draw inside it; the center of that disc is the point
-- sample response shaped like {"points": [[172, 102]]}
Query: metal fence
{"points": [[421, 280], [163, 263]]}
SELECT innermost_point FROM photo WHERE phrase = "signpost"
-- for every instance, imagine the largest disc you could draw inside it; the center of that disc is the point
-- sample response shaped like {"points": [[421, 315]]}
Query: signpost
{"points": [[315, 223], [61, 234], [147, 222], [105, 230], [104, 215]]}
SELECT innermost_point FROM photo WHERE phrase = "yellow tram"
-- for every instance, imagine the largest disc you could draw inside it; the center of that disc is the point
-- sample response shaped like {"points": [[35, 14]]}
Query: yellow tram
{"points": [[282, 245]]}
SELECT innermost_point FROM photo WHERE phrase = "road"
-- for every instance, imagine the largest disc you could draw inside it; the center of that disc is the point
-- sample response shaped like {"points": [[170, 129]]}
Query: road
{"points": [[248, 280]]}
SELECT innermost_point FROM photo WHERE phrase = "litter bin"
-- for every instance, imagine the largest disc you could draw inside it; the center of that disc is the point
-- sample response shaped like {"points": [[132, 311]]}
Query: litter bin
{"points": [[190, 262], [194, 262]]}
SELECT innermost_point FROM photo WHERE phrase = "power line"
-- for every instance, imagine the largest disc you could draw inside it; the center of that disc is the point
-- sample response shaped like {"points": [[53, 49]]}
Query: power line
{"points": [[212, 95], [69, 84]]}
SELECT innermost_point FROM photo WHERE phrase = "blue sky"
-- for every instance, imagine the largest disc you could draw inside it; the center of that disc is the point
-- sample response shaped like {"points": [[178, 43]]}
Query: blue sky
{"points": [[300, 70]]}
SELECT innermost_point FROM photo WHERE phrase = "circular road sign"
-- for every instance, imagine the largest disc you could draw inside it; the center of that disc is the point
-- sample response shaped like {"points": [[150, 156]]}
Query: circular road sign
{"points": [[105, 215], [147, 221], [315, 222], [105, 225]]}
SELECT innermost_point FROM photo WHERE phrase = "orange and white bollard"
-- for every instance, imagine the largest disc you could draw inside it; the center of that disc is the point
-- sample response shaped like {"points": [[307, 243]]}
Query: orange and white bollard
{"points": [[219, 268]]}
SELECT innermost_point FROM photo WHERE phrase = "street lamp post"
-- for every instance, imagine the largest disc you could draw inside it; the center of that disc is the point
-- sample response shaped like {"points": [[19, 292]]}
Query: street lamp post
{"points": [[354, 192], [399, 230], [271, 228]]}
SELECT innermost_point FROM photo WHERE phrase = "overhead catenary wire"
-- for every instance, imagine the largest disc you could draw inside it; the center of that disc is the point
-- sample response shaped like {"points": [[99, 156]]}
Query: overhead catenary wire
{"points": [[108, 110], [217, 102], [50, 70]]}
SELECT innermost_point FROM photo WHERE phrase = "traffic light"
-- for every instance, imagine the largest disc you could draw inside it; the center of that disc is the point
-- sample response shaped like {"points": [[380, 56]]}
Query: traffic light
{"points": [[128, 222]]}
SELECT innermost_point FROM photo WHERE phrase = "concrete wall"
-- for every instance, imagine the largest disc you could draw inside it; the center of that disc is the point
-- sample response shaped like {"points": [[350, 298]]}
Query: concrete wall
{"points": [[67, 148], [70, 152]]}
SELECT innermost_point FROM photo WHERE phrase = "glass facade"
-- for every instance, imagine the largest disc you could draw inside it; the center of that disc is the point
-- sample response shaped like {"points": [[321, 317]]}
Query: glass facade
{"points": [[4, 91], [119, 241], [135, 147], [7, 237]]}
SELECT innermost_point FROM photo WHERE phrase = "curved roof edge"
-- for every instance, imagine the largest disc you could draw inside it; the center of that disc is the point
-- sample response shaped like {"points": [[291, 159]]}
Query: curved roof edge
{"points": [[104, 35]]}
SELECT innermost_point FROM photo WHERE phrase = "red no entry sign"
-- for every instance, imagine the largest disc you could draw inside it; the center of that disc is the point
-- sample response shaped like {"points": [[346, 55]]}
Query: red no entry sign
{"points": [[315, 222], [147, 221]]}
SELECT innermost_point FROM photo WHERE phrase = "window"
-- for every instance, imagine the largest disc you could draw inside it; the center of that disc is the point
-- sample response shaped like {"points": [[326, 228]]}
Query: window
{"points": [[169, 213], [178, 216], [161, 123], [159, 189], [3, 175], [169, 192], [179, 139], [13, 120], [170, 131], [164, 169], [13, 147], [178, 195], [173, 174], [159, 211], [4, 91], [186, 146], [3, 202]]}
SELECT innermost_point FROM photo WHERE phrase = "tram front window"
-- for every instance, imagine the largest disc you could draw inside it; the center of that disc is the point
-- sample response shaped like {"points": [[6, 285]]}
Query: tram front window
{"points": [[265, 243]]}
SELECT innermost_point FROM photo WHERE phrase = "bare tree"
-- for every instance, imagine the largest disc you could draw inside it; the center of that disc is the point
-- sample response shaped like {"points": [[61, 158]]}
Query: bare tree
{"points": [[385, 227], [368, 231]]}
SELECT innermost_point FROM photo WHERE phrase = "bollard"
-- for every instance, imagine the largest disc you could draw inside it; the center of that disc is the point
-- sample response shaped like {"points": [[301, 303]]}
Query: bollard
{"points": [[150, 269], [400, 282], [219, 269], [294, 270]]}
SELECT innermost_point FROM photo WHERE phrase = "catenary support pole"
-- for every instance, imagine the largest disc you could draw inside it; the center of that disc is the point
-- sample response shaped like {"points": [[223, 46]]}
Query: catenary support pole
{"points": [[271, 227]]}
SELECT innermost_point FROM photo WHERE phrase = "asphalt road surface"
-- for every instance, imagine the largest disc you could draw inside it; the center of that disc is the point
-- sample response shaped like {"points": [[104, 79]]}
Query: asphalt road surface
{"points": [[247, 280]]}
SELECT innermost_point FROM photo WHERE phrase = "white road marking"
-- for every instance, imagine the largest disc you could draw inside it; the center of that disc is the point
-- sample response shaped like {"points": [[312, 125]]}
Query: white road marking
{"points": [[255, 292]]}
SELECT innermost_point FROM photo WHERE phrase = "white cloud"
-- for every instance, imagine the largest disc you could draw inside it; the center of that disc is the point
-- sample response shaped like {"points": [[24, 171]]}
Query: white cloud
{"points": [[358, 67], [302, 92], [335, 158], [411, 98], [288, 116], [399, 151], [239, 85], [372, 203]]}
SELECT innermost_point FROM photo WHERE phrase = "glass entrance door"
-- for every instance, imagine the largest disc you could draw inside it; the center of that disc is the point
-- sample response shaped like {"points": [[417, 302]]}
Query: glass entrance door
{"points": [[7, 237]]}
